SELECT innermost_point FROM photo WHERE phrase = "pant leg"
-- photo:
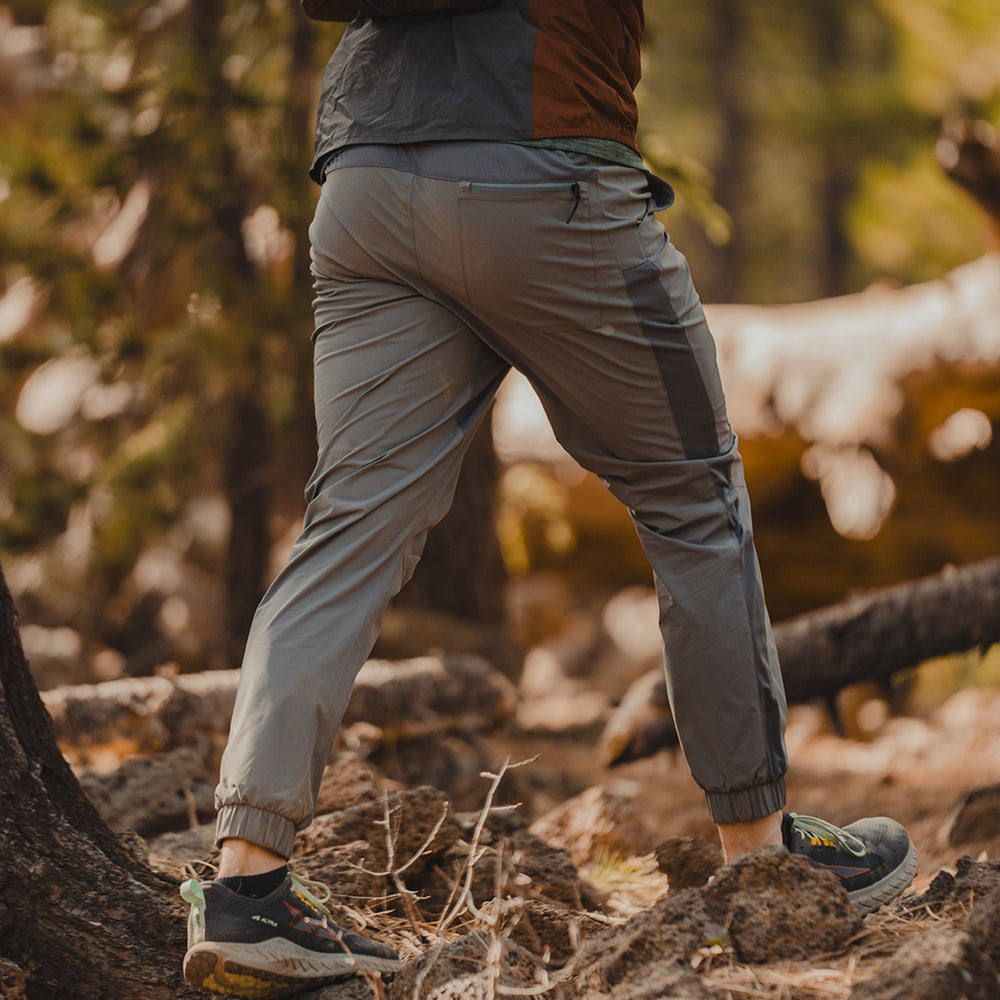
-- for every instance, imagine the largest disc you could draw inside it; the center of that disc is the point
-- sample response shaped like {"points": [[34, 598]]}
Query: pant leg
{"points": [[578, 285], [400, 386]]}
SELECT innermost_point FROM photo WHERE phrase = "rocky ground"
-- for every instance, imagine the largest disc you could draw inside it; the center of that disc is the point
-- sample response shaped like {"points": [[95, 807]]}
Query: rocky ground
{"points": [[499, 852]]}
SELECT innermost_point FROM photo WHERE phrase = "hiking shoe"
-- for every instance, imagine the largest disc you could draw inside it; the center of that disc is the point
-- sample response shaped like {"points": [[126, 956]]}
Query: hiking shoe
{"points": [[873, 858], [270, 947]]}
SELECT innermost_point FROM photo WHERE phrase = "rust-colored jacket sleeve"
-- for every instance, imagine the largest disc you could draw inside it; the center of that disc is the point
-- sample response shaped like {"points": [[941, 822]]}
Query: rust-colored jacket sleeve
{"points": [[346, 10]]}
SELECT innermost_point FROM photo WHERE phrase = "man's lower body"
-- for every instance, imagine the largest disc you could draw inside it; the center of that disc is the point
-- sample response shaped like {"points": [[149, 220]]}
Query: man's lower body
{"points": [[437, 268]]}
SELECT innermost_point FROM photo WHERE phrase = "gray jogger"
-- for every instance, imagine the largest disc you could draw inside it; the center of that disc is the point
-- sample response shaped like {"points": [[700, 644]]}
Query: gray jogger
{"points": [[436, 268]]}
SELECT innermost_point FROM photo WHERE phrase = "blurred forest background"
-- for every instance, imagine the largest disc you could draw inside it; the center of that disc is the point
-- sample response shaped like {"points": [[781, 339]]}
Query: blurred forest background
{"points": [[155, 355]]}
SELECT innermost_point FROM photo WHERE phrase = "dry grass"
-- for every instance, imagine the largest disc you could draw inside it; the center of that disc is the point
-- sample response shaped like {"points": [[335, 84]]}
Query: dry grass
{"points": [[633, 884]]}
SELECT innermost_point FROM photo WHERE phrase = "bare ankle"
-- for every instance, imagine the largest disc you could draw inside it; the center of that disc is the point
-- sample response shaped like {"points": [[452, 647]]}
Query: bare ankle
{"points": [[241, 857], [738, 839]]}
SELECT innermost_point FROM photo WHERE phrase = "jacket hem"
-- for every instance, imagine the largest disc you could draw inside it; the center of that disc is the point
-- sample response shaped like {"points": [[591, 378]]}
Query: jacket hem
{"points": [[328, 145]]}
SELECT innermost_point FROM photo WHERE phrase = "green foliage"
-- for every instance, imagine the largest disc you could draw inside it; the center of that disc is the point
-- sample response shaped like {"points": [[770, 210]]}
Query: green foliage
{"points": [[136, 145], [816, 125]]}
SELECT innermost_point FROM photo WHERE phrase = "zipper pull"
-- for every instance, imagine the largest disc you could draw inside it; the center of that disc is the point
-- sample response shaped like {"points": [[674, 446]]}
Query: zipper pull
{"points": [[575, 191]]}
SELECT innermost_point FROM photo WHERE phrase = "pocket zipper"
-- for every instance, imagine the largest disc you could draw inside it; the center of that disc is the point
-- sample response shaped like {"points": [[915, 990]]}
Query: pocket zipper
{"points": [[575, 190]]}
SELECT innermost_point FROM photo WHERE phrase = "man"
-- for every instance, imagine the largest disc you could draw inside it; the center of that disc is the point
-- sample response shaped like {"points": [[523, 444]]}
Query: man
{"points": [[484, 205]]}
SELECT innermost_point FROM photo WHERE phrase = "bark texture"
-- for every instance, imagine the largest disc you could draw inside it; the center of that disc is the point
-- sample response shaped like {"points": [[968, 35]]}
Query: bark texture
{"points": [[428, 696], [869, 636], [873, 634], [79, 914]]}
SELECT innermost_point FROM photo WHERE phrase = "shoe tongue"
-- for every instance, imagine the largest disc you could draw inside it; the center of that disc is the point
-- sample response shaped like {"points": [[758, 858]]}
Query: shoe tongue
{"points": [[787, 833]]}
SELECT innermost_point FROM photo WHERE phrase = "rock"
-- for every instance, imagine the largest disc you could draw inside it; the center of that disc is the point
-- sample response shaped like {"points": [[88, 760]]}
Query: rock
{"points": [[976, 878], [544, 928], [346, 869], [539, 605], [555, 699], [647, 957], [983, 926], [413, 816], [355, 988], [632, 643], [466, 968], [938, 892], [447, 761], [632, 621], [169, 852], [570, 710], [972, 880], [939, 963], [778, 905], [346, 782], [597, 821], [518, 865], [413, 632], [147, 714], [571, 654], [151, 795], [552, 873], [688, 862], [975, 818], [493, 876]]}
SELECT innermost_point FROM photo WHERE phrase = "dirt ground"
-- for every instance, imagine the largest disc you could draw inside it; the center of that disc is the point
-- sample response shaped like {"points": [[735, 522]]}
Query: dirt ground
{"points": [[922, 771], [576, 880], [761, 928], [916, 770]]}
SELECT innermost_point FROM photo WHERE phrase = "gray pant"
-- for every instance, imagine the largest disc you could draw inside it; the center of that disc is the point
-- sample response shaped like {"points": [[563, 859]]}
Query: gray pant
{"points": [[436, 268]]}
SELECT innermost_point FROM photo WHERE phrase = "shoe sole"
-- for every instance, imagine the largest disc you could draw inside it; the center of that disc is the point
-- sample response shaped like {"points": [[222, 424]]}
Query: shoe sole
{"points": [[871, 897], [272, 968]]}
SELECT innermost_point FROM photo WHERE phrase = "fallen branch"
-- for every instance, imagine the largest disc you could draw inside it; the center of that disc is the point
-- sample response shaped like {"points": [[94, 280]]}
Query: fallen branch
{"points": [[871, 635], [874, 634], [391, 701]]}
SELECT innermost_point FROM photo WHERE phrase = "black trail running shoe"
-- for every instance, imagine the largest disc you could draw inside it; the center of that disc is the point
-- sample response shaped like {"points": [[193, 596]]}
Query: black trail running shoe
{"points": [[873, 858], [270, 947]]}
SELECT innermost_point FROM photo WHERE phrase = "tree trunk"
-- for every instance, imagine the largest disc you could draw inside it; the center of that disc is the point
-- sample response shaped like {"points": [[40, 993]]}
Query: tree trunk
{"points": [[870, 636], [839, 162], [245, 475], [969, 153], [731, 162], [874, 634], [79, 914], [461, 573]]}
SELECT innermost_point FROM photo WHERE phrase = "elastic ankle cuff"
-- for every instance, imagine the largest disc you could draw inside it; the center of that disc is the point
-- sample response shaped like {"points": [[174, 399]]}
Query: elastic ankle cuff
{"points": [[259, 826], [746, 804]]}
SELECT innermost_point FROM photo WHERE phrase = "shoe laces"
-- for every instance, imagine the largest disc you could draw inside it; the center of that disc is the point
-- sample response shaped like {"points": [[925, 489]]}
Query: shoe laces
{"points": [[308, 888], [820, 832]]}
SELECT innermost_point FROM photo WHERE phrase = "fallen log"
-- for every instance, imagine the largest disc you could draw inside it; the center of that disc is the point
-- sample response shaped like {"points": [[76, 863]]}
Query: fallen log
{"points": [[871, 635], [391, 701]]}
